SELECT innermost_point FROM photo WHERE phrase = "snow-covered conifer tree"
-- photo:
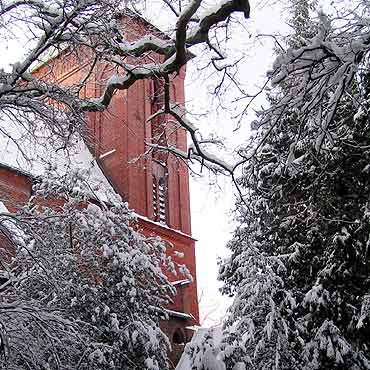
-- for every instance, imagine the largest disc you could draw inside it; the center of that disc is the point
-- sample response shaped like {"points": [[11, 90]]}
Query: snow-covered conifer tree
{"points": [[300, 267]]}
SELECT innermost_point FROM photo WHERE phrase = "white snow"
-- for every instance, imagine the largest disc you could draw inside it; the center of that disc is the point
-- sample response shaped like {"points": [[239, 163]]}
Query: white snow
{"points": [[107, 154], [164, 226], [151, 364], [10, 224], [97, 355], [214, 9], [114, 323], [181, 282], [3, 209], [128, 48], [35, 158], [210, 362], [182, 315]]}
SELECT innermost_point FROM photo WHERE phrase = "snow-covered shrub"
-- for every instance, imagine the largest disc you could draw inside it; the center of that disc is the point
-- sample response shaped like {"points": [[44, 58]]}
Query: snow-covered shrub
{"points": [[87, 290]]}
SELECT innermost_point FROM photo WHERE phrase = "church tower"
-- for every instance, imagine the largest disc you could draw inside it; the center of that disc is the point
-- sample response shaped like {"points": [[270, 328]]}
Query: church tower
{"points": [[155, 183]]}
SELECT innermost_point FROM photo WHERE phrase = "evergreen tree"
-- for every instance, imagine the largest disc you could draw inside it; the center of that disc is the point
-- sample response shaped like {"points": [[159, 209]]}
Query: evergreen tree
{"points": [[300, 267]]}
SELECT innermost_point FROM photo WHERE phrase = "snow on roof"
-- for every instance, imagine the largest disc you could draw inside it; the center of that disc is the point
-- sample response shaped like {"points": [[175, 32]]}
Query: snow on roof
{"points": [[52, 53], [9, 226], [179, 314], [163, 225], [35, 156], [181, 282], [3, 209]]}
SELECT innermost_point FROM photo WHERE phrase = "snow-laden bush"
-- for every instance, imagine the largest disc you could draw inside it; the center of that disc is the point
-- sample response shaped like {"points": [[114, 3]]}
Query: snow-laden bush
{"points": [[87, 291]]}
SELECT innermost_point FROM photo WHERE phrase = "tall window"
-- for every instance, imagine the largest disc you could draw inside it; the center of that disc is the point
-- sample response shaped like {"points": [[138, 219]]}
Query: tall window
{"points": [[158, 125], [159, 157], [156, 94], [178, 337], [160, 192]]}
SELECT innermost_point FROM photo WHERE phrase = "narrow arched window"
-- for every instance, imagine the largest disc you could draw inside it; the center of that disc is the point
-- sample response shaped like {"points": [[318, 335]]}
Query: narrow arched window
{"points": [[160, 192], [178, 337], [156, 94], [158, 124]]}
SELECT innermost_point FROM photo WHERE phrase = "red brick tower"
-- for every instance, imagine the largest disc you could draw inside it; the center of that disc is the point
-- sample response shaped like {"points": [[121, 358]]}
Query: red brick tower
{"points": [[155, 184]]}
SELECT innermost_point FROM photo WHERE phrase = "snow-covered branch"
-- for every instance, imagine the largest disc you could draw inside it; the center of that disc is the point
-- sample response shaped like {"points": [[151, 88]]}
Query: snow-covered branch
{"points": [[176, 51], [195, 151], [318, 75], [101, 33]]}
